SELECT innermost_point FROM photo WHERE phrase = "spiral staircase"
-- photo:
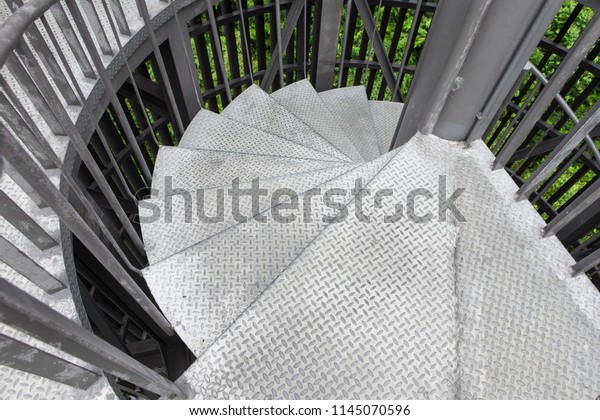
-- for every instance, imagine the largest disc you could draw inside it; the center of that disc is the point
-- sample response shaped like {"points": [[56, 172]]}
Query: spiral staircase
{"points": [[381, 304], [194, 212]]}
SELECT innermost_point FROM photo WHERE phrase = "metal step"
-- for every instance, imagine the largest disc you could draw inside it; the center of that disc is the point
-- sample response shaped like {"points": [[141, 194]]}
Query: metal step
{"points": [[216, 132], [368, 310], [256, 108], [192, 169], [204, 288], [184, 219], [529, 329], [350, 107], [302, 100], [385, 117]]}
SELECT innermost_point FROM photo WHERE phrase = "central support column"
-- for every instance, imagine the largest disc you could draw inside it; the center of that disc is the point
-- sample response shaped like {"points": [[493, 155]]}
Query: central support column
{"points": [[474, 53]]}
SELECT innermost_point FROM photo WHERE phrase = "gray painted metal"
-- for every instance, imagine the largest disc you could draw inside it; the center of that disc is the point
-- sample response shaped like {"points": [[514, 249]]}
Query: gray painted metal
{"points": [[344, 41], [161, 63], [21, 356], [47, 110], [590, 196], [396, 94], [449, 79], [110, 90], [11, 31], [589, 262], [364, 11], [188, 78], [279, 43], [29, 315], [11, 211], [508, 34], [216, 38], [331, 16], [22, 125], [520, 52], [18, 157], [442, 36], [289, 27], [72, 39], [586, 40], [119, 15], [568, 111], [560, 152], [75, 136], [94, 21], [21, 263], [46, 57]]}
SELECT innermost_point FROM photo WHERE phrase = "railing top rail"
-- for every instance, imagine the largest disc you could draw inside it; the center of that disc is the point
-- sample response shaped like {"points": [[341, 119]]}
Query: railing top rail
{"points": [[13, 29]]}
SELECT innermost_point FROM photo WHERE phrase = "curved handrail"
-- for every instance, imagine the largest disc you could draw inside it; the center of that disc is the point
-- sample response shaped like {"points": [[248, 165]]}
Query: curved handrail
{"points": [[566, 108], [13, 29]]}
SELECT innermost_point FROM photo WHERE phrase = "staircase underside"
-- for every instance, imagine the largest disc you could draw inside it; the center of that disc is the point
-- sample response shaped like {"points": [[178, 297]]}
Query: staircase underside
{"points": [[367, 307]]}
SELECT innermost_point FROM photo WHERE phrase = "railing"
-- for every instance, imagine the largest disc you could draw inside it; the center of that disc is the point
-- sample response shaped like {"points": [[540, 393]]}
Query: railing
{"points": [[540, 140], [93, 77]]}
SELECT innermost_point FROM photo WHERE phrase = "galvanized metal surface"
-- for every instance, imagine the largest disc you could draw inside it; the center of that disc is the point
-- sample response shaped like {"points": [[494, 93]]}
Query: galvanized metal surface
{"points": [[301, 100], [350, 107], [396, 309]]}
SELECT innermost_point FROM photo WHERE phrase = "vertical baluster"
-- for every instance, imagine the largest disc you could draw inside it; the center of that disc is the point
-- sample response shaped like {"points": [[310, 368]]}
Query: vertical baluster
{"points": [[45, 55], [29, 315], [92, 16], [72, 39], [21, 123], [117, 10], [218, 48], [344, 41], [161, 65], [46, 91], [566, 146], [397, 94], [21, 221], [245, 44], [564, 71], [48, 112], [110, 90], [279, 41], [22, 264], [18, 157]]}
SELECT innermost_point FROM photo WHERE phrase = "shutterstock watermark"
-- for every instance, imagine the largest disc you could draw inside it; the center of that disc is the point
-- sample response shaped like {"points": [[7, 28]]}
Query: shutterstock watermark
{"points": [[251, 201]]}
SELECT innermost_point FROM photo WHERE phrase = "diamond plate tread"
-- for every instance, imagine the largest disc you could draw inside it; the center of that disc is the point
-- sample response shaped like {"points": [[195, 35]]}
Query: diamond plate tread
{"points": [[386, 115], [192, 169], [204, 288], [526, 328], [350, 107], [367, 311], [216, 132], [256, 108], [185, 227], [302, 100]]}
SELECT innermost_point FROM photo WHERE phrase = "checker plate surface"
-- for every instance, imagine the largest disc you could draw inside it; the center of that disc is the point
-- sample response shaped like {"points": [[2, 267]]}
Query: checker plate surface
{"points": [[204, 288], [302, 100], [367, 311], [386, 115], [256, 108], [215, 132], [350, 107]]}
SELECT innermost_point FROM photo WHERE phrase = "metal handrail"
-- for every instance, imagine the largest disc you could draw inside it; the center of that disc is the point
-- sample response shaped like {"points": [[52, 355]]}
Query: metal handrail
{"points": [[13, 29], [566, 108]]}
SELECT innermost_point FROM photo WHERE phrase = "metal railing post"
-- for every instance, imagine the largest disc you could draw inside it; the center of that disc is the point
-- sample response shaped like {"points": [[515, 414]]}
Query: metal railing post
{"points": [[21, 311], [18, 157]]}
